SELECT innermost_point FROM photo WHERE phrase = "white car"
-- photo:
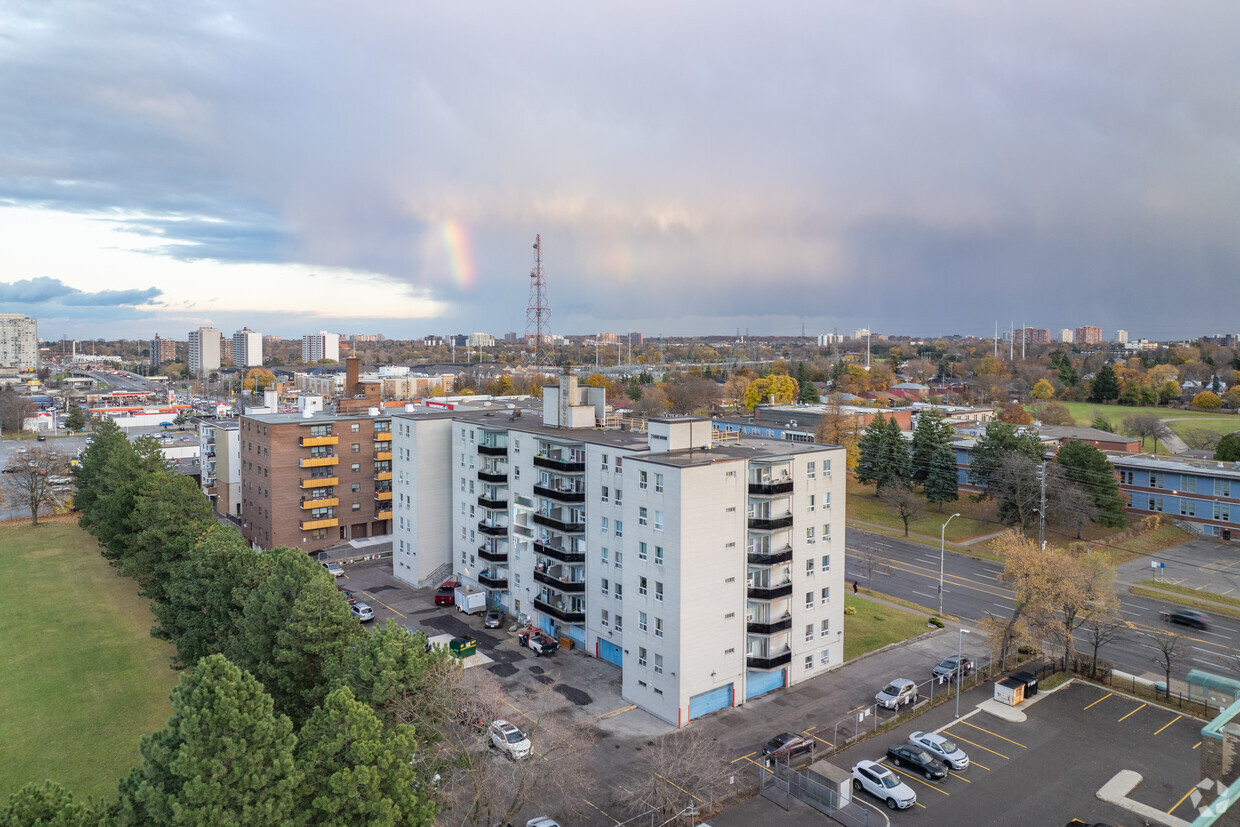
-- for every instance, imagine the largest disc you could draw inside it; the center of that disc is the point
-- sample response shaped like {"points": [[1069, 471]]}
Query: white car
{"points": [[334, 569], [941, 748], [881, 782], [509, 740], [542, 821]]}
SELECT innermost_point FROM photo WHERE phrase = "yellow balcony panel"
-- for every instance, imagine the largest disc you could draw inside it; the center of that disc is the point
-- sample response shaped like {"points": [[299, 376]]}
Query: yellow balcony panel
{"points": [[383, 436], [325, 502], [383, 475], [320, 482], [316, 462], [382, 455], [311, 441], [310, 525], [383, 515], [383, 495]]}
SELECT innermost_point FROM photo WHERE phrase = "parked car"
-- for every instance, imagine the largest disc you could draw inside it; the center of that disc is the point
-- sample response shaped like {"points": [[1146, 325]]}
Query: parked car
{"points": [[941, 748], [788, 745], [445, 596], [362, 612], [542, 821], [896, 694], [509, 740], [334, 569], [42, 437], [538, 640], [907, 755], [349, 597], [884, 784], [1186, 617], [948, 667], [493, 619]]}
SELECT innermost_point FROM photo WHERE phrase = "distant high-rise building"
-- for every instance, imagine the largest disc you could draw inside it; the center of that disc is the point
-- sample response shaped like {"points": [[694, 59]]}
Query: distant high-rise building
{"points": [[247, 348], [203, 351], [318, 346], [1032, 336], [481, 340], [825, 339], [636, 339], [1065, 336], [860, 334], [163, 351], [19, 342], [226, 349], [1121, 336], [1088, 336]]}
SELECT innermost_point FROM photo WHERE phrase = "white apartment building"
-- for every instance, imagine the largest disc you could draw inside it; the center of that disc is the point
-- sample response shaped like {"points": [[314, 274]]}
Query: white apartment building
{"points": [[247, 348], [708, 571], [19, 342], [321, 345], [219, 449], [203, 351]]}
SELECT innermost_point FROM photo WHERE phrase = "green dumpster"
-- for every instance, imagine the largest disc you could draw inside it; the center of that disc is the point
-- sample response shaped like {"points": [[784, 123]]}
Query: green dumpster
{"points": [[463, 647]]}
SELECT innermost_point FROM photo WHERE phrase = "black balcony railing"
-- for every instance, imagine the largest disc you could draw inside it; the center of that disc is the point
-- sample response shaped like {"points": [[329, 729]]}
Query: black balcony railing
{"points": [[493, 555], [560, 525], [494, 477], [772, 662], [770, 489], [570, 586], [559, 553], [493, 450], [770, 592], [493, 530], [494, 505], [566, 466], [770, 523], [560, 495], [757, 558], [493, 582], [563, 615], [771, 628]]}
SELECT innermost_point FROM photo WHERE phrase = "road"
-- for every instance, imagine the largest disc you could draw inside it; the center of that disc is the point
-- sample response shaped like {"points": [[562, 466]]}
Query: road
{"points": [[972, 592]]}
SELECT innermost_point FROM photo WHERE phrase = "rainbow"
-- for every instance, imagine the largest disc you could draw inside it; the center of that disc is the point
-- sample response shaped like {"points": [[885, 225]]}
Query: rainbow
{"points": [[460, 259]]}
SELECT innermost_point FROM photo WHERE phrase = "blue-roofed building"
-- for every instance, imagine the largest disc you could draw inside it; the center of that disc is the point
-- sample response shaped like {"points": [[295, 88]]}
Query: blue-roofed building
{"points": [[1201, 495]]}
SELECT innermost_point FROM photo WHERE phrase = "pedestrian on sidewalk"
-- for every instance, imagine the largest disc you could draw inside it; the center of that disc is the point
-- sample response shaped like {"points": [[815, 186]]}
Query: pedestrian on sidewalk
{"points": [[854, 587]]}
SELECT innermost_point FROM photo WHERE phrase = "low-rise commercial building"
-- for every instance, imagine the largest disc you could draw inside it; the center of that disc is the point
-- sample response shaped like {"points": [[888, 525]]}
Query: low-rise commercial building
{"points": [[1201, 495]]}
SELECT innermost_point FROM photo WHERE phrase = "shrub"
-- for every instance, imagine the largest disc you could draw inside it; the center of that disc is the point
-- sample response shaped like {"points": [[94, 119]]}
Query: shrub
{"points": [[935, 621]]}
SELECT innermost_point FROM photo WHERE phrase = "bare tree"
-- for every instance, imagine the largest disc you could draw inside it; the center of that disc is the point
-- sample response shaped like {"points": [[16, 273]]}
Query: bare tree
{"points": [[14, 408], [1085, 589], [869, 560], [682, 772], [1068, 503], [32, 480], [907, 505], [1017, 491], [1145, 426], [1102, 629], [1167, 647], [1200, 439]]}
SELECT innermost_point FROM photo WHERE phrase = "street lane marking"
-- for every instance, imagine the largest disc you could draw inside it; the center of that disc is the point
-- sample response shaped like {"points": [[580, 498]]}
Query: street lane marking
{"points": [[979, 746], [997, 735], [1169, 723], [1181, 801], [1134, 712], [1100, 700]]}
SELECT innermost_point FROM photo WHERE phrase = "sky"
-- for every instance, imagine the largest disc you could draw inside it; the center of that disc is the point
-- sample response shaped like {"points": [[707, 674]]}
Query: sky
{"points": [[917, 168]]}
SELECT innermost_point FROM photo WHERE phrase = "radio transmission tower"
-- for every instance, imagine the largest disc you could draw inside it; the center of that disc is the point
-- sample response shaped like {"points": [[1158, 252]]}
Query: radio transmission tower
{"points": [[538, 312]]}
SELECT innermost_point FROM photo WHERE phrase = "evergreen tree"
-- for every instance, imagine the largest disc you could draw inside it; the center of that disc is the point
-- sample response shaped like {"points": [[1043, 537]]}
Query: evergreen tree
{"points": [[169, 516], [225, 757], [807, 394], [1089, 468], [931, 432], [91, 469], [635, 389], [46, 805], [1228, 449], [1106, 385], [884, 457], [987, 454], [75, 420], [942, 483], [362, 773]]}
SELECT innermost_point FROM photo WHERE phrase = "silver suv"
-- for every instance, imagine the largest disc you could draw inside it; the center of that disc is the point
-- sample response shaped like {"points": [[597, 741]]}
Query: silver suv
{"points": [[896, 694]]}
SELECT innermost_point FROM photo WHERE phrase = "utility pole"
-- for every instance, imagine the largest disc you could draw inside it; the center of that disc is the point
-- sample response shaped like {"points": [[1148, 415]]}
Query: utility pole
{"points": [[1042, 507]]}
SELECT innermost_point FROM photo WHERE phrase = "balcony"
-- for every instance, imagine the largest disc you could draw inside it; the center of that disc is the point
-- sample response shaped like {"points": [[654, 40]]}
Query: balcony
{"points": [[770, 489], [569, 586], [383, 436], [765, 628], [560, 495], [563, 615], [758, 558], [560, 525], [769, 592], [499, 581], [497, 477], [767, 663], [493, 530], [309, 525], [561, 554], [380, 476], [312, 441], [383, 515], [317, 462], [320, 482], [493, 450], [322, 502], [494, 505], [770, 523], [492, 555], [561, 465], [383, 455], [383, 496]]}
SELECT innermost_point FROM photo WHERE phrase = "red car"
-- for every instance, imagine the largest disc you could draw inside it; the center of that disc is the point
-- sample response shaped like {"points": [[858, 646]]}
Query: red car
{"points": [[538, 640], [445, 596], [349, 597]]}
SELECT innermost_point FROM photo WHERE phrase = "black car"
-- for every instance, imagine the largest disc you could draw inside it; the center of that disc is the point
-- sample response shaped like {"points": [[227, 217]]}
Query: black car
{"points": [[1187, 617], [788, 744], [914, 757]]}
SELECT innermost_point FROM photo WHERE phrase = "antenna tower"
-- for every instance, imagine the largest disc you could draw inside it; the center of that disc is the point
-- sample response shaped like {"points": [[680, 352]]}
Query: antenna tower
{"points": [[538, 312]]}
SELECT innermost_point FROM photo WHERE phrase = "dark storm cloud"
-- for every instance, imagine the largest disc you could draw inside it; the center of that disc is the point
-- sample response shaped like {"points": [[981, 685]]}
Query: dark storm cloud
{"points": [[49, 291]]}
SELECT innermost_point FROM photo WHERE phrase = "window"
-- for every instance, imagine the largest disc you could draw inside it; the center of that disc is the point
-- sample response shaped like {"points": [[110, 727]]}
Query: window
{"points": [[658, 483], [619, 623], [357, 506], [605, 492], [1222, 488], [809, 470], [641, 480], [826, 500], [605, 524], [603, 554], [356, 447], [826, 467], [826, 562], [355, 428], [826, 532], [1189, 484], [826, 597], [809, 632], [619, 465], [658, 521], [619, 528], [1155, 504], [603, 620], [1188, 508], [357, 466], [462, 483], [826, 657], [812, 499], [641, 655], [1157, 480], [619, 559], [619, 590], [809, 535], [1222, 512], [658, 590], [826, 627], [606, 585], [658, 627], [809, 662], [641, 514], [357, 486], [658, 555], [809, 600], [516, 472], [641, 621], [641, 585], [641, 551], [809, 567], [604, 465], [471, 486], [619, 497], [658, 664]]}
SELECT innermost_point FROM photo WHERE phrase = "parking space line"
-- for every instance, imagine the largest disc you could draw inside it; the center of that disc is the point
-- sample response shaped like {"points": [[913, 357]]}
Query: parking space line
{"points": [[973, 763], [1100, 700], [816, 738], [682, 789], [997, 735], [742, 758], [1196, 745], [1181, 801], [615, 712], [384, 605], [1134, 712], [756, 764], [979, 746], [1169, 723], [961, 777], [604, 812], [908, 776]]}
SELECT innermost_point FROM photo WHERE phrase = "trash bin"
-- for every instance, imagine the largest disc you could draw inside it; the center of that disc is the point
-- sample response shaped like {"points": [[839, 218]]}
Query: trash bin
{"points": [[1030, 681], [463, 647]]}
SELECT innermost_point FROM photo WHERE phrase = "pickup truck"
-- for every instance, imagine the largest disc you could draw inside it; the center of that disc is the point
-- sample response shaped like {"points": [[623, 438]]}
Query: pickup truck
{"points": [[538, 640]]}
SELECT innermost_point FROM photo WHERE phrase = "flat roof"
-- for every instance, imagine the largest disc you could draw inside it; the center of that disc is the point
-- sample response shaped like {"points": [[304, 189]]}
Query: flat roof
{"points": [[1227, 469]]}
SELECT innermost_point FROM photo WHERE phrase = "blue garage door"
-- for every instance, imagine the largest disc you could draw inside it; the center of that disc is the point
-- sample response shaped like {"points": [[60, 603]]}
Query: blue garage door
{"points": [[548, 625], [610, 652], [758, 683], [708, 702], [577, 634]]}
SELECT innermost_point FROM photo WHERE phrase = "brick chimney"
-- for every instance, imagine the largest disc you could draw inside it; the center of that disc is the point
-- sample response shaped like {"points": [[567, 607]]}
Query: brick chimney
{"points": [[351, 386]]}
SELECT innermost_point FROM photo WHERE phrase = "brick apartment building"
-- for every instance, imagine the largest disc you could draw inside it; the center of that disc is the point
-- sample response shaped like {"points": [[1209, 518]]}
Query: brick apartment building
{"points": [[1088, 336]]}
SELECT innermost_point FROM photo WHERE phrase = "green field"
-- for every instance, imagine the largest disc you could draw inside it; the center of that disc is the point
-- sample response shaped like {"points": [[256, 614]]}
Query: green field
{"points": [[976, 519], [1084, 413], [83, 680], [876, 625]]}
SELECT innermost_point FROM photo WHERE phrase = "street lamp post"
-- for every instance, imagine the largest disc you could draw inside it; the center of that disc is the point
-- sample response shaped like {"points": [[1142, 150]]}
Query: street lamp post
{"points": [[959, 665], [942, 554]]}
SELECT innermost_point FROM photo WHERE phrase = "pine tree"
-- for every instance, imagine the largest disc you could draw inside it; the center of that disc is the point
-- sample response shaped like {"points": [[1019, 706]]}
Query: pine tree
{"points": [[1106, 385], [931, 432], [1089, 468], [942, 484], [884, 457], [169, 516], [46, 805]]}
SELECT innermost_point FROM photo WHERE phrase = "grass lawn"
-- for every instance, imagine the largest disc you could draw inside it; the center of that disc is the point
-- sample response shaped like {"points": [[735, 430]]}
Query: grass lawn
{"points": [[83, 680], [975, 519], [875, 625]]}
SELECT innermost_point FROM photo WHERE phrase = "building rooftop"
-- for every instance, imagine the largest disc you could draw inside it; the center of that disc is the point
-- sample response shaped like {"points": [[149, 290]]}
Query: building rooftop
{"points": [[1227, 469], [1083, 434]]}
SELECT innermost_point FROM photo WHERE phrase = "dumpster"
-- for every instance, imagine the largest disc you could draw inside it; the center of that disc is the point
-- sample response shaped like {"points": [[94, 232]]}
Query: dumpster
{"points": [[463, 647], [1030, 681], [1009, 691]]}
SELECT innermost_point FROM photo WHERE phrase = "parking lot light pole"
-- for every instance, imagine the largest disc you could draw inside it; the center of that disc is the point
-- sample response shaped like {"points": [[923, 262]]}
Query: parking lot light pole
{"points": [[959, 665], [942, 554]]}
